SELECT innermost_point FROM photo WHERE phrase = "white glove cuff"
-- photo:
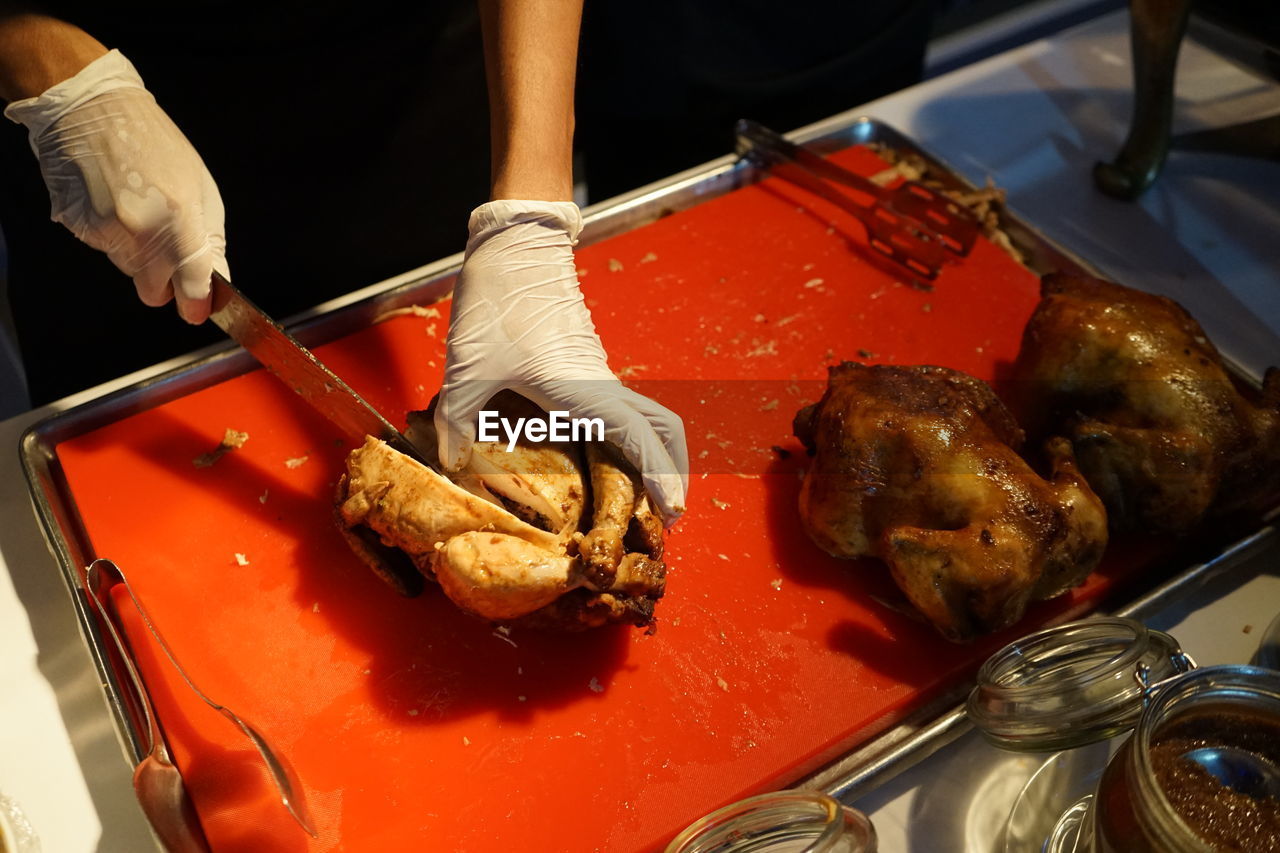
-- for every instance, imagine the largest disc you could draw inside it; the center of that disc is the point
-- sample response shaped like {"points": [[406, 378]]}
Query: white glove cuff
{"points": [[104, 74], [495, 216]]}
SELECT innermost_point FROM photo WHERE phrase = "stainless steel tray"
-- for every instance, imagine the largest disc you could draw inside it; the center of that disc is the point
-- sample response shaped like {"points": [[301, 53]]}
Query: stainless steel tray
{"points": [[924, 732]]}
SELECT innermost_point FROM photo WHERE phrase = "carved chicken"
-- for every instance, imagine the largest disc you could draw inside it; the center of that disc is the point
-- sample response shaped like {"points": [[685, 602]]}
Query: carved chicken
{"points": [[510, 538], [1161, 432], [917, 466]]}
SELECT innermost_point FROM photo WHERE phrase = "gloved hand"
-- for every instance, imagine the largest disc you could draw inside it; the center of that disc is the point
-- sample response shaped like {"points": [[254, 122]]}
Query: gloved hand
{"points": [[519, 323], [124, 180]]}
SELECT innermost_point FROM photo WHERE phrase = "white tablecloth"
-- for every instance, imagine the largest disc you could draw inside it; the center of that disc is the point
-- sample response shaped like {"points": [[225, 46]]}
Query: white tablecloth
{"points": [[1035, 120]]}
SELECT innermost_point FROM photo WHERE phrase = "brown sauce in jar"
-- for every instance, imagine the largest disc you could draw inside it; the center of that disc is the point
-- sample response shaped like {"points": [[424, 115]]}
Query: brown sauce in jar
{"points": [[1226, 819]]}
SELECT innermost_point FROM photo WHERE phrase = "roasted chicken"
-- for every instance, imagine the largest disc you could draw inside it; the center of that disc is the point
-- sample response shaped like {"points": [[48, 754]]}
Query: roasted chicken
{"points": [[918, 466], [509, 538], [1162, 433]]}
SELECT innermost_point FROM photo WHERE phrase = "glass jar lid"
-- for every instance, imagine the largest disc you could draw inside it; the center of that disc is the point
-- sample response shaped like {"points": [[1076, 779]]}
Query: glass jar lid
{"points": [[782, 822], [1077, 683]]}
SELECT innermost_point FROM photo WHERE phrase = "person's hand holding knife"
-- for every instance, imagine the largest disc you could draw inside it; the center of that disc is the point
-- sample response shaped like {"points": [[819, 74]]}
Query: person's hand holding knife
{"points": [[120, 174]]}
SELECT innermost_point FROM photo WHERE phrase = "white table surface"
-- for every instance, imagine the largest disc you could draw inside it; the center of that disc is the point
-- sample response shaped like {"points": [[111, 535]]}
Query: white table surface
{"points": [[1034, 119]]}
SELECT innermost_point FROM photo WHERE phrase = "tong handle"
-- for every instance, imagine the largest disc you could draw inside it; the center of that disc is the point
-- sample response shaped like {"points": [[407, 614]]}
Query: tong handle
{"points": [[100, 577]]}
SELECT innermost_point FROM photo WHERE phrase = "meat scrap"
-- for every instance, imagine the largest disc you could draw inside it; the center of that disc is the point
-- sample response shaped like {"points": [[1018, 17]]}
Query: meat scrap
{"points": [[231, 440]]}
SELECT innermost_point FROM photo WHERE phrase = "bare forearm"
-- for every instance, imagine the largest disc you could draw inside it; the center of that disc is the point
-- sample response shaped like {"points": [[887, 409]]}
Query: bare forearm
{"points": [[37, 51], [531, 49]]}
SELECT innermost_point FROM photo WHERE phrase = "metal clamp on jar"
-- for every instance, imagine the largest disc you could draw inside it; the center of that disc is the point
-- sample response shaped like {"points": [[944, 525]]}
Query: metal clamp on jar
{"points": [[1200, 771], [780, 822]]}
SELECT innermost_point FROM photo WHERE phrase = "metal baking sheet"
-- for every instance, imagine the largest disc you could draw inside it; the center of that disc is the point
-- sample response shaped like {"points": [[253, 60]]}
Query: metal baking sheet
{"points": [[926, 730]]}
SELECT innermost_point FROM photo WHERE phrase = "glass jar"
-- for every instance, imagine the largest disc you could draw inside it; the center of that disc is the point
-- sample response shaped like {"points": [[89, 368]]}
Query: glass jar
{"points": [[1145, 806], [1087, 682], [781, 822], [1078, 683]]}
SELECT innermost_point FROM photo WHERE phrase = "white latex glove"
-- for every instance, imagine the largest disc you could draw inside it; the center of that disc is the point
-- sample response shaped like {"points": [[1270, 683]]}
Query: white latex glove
{"points": [[519, 323], [124, 180]]}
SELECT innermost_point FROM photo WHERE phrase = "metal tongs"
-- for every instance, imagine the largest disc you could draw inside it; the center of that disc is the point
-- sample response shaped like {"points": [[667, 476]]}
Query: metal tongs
{"points": [[911, 224], [157, 780]]}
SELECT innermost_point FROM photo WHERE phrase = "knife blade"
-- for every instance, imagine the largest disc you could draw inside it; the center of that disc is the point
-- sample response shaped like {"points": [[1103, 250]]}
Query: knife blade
{"points": [[296, 366]]}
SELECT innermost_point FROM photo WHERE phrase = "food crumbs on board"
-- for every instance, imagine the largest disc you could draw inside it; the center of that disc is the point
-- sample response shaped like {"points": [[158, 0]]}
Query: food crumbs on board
{"points": [[262, 498], [1247, 629], [630, 370], [523, 698], [812, 283], [296, 462], [704, 454], [615, 265], [466, 741], [866, 353], [231, 440], [581, 271], [767, 348], [415, 310], [649, 258], [675, 622], [431, 330], [502, 632], [776, 583], [724, 685], [719, 504], [595, 685], [759, 318], [315, 608], [927, 307], [769, 406], [723, 557], [241, 560], [790, 318], [413, 712]]}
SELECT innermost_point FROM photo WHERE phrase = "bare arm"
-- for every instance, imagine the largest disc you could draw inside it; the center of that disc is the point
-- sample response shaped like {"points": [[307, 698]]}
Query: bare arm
{"points": [[37, 51], [531, 49]]}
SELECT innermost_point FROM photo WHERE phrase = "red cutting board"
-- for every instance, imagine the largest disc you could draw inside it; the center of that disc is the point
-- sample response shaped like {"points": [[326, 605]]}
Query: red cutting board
{"points": [[415, 727]]}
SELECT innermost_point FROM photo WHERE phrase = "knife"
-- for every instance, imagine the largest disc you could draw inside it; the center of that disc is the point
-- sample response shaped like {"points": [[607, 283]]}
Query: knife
{"points": [[295, 366]]}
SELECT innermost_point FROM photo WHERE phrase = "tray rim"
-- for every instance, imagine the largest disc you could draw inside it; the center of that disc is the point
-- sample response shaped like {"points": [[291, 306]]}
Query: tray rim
{"points": [[865, 767]]}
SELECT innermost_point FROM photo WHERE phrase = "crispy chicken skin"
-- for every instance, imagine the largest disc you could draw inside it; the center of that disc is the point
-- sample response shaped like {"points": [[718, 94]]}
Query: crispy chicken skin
{"points": [[917, 466], [502, 541], [1161, 432]]}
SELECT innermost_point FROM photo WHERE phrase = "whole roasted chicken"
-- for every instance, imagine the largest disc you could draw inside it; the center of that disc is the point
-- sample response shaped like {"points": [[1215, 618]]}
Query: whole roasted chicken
{"points": [[1161, 432], [918, 466], [522, 537]]}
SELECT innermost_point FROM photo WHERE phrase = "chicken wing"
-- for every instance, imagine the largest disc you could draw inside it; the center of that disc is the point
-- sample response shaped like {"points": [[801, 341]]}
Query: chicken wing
{"points": [[917, 466], [1162, 433]]}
